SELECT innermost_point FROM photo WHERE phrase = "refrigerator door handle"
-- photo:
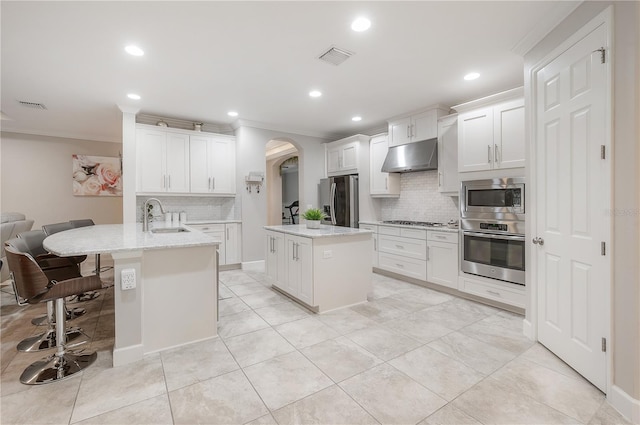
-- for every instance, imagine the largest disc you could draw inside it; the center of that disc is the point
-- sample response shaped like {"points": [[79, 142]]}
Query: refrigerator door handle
{"points": [[332, 204]]}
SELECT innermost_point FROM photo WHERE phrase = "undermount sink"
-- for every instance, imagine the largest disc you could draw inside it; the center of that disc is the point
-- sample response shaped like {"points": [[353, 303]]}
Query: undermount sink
{"points": [[169, 230]]}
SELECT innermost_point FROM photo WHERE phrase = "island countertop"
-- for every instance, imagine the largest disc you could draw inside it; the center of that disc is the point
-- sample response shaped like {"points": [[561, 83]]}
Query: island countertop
{"points": [[110, 238], [324, 231]]}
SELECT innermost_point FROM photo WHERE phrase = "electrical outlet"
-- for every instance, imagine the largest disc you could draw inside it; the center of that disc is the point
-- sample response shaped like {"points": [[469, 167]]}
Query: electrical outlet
{"points": [[128, 279]]}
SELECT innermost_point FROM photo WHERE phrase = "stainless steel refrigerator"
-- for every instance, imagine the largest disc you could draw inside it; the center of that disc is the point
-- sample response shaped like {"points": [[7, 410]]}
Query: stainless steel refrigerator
{"points": [[339, 200]]}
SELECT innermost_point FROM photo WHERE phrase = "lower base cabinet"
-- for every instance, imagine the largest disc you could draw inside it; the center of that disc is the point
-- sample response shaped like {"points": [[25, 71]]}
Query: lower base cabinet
{"points": [[442, 259], [374, 229], [504, 292], [229, 235], [299, 268], [275, 259]]}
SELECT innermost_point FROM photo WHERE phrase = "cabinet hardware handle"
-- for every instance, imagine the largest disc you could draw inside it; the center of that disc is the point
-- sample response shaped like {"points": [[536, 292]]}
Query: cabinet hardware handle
{"points": [[169, 181], [227, 233], [375, 244], [386, 183], [399, 246], [497, 294], [209, 185], [213, 183], [164, 182], [439, 179], [489, 154], [495, 153], [400, 265], [440, 237], [408, 132], [427, 253]]}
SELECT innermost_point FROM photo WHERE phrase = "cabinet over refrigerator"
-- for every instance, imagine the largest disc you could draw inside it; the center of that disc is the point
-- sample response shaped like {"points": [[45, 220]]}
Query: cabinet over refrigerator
{"points": [[338, 198]]}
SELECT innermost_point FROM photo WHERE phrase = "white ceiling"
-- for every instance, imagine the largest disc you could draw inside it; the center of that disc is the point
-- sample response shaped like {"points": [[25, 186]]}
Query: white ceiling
{"points": [[203, 59]]}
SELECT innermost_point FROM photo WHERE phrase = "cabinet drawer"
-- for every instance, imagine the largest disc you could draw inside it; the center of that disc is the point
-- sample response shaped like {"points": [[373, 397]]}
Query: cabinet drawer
{"points": [[413, 233], [512, 296], [442, 237], [389, 230], [208, 227], [410, 267], [412, 248], [371, 227]]}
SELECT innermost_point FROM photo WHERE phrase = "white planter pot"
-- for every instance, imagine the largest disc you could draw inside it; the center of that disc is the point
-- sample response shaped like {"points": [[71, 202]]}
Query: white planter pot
{"points": [[313, 224]]}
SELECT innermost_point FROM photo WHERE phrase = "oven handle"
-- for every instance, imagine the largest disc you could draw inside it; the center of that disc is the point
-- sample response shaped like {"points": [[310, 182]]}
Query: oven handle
{"points": [[493, 236]]}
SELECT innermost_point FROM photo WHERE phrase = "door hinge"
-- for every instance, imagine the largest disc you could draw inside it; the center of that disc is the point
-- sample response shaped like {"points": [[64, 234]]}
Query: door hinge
{"points": [[603, 153], [603, 248], [604, 345], [602, 54]]}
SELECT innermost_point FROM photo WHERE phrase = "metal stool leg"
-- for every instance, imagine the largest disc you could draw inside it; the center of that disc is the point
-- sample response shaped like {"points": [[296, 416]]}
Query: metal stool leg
{"points": [[48, 339]]}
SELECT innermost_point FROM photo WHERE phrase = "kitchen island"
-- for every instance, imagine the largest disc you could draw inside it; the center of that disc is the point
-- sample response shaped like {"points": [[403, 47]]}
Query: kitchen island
{"points": [[324, 269], [173, 300]]}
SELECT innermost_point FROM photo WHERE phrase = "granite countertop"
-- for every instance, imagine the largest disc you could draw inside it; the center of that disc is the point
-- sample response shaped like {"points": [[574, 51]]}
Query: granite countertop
{"points": [[324, 231], [407, 226], [192, 222], [109, 238]]}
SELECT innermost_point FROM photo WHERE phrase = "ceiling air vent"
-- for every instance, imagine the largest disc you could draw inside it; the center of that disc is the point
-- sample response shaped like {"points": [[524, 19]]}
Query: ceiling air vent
{"points": [[32, 105], [335, 56]]}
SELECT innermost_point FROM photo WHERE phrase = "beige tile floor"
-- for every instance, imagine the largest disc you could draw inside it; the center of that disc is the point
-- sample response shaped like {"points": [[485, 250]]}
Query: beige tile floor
{"points": [[409, 356]]}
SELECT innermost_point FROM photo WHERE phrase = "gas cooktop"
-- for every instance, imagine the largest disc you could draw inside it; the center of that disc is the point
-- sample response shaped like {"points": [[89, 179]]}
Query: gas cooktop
{"points": [[414, 223]]}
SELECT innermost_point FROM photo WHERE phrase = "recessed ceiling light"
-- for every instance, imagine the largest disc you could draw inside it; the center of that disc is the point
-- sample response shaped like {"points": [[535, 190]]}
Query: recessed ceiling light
{"points": [[356, 118], [360, 24], [471, 76], [133, 96], [315, 93], [232, 113], [134, 50]]}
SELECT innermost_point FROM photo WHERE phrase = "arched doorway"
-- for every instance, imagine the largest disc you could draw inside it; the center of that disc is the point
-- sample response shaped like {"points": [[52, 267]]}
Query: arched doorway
{"points": [[281, 180]]}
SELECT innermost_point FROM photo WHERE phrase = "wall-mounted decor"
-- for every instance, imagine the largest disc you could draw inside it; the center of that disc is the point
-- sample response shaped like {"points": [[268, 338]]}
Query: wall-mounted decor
{"points": [[97, 176]]}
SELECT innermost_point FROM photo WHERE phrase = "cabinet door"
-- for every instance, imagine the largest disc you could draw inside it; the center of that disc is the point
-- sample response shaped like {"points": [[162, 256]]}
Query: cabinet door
{"points": [[219, 235], [177, 158], [151, 153], [275, 263], [399, 132], [333, 159], [305, 270], [222, 166], [475, 140], [349, 157], [424, 126], [509, 134], [379, 181], [442, 264], [199, 164], [232, 243], [374, 229], [448, 180], [292, 267]]}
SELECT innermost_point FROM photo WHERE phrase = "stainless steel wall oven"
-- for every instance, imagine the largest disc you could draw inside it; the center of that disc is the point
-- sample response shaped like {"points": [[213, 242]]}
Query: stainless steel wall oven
{"points": [[492, 216]]}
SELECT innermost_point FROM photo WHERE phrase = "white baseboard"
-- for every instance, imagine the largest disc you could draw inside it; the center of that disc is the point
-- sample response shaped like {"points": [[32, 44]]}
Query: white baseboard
{"points": [[628, 406], [126, 355], [254, 266], [528, 330]]}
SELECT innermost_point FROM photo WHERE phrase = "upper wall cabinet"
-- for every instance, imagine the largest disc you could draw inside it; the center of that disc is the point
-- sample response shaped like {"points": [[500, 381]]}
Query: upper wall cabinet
{"points": [[381, 184], [183, 161], [492, 135], [415, 127], [344, 156], [448, 181], [163, 161], [213, 164]]}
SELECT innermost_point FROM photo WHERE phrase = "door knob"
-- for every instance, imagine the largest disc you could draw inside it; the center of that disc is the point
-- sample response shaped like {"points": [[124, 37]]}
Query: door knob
{"points": [[538, 241]]}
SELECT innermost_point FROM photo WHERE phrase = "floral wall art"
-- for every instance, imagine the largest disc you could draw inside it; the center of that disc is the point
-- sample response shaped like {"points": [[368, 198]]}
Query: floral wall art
{"points": [[97, 176]]}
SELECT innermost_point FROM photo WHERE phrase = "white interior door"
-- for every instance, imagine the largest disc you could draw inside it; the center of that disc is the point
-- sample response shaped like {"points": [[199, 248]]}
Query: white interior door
{"points": [[573, 204]]}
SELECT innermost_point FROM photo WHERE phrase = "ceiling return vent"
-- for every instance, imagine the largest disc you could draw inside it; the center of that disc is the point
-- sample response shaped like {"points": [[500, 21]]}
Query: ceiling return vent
{"points": [[32, 105], [335, 56]]}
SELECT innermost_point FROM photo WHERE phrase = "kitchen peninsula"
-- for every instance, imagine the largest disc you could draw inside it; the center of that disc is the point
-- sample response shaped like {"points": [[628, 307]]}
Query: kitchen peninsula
{"points": [[173, 300], [325, 269]]}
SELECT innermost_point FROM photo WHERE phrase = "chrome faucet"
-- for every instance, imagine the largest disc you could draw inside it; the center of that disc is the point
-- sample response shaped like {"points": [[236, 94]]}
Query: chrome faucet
{"points": [[145, 213]]}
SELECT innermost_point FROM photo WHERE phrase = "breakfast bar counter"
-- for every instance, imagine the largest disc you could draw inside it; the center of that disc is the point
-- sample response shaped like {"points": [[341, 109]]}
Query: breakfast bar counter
{"points": [[173, 298], [324, 269]]}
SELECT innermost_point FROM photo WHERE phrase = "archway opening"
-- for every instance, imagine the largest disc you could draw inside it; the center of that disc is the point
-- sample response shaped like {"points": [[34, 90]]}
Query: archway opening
{"points": [[283, 176]]}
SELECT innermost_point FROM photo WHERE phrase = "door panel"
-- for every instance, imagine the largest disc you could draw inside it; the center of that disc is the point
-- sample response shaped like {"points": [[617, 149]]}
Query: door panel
{"points": [[573, 184]]}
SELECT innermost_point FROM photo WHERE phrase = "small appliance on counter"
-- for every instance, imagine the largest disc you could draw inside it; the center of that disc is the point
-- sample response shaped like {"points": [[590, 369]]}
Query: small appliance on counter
{"points": [[339, 200]]}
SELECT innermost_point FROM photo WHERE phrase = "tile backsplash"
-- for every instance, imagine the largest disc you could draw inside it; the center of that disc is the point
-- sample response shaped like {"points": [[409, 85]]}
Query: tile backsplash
{"points": [[419, 200], [196, 207]]}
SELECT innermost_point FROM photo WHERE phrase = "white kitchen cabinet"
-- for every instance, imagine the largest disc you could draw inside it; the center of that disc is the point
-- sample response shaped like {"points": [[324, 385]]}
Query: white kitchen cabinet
{"points": [[275, 259], [213, 165], [504, 292], [229, 235], [492, 137], [299, 268], [381, 184], [418, 126], [374, 253], [342, 158], [163, 161], [442, 258], [403, 251], [448, 180]]}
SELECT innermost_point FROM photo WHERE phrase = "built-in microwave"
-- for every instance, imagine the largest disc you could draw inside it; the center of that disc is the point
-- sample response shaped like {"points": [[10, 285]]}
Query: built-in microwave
{"points": [[493, 199]]}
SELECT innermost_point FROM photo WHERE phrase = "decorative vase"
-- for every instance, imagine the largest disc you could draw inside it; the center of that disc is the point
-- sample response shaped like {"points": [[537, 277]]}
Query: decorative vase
{"points": [[313, 224]]}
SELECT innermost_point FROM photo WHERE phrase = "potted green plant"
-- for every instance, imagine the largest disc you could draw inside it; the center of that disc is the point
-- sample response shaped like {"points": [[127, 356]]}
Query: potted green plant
{"points": [[313, 216]]}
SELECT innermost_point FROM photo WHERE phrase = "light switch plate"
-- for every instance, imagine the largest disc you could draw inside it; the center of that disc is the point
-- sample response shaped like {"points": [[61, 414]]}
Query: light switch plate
{"points": [[128, 279]]}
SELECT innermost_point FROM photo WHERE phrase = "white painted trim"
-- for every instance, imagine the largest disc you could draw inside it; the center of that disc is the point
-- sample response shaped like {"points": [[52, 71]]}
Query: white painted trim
{"points": [[286, 130], [60, 134], [258, 266], [528, 330], [126, 355], [603, 18], [628, 406], [489, 100], [184, 344]]}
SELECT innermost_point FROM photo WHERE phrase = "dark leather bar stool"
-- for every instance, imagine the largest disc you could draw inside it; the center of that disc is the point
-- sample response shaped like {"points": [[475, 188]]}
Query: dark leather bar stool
{"points": [[34, 286]]}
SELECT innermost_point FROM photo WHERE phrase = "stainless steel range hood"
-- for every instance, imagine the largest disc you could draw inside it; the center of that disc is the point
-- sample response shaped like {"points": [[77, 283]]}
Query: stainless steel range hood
{"points": [[418, 156]]}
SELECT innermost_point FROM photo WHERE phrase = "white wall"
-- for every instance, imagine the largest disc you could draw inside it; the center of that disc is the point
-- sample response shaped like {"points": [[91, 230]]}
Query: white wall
{"points": [[250, 145], [625, 306], [36, 179]]}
